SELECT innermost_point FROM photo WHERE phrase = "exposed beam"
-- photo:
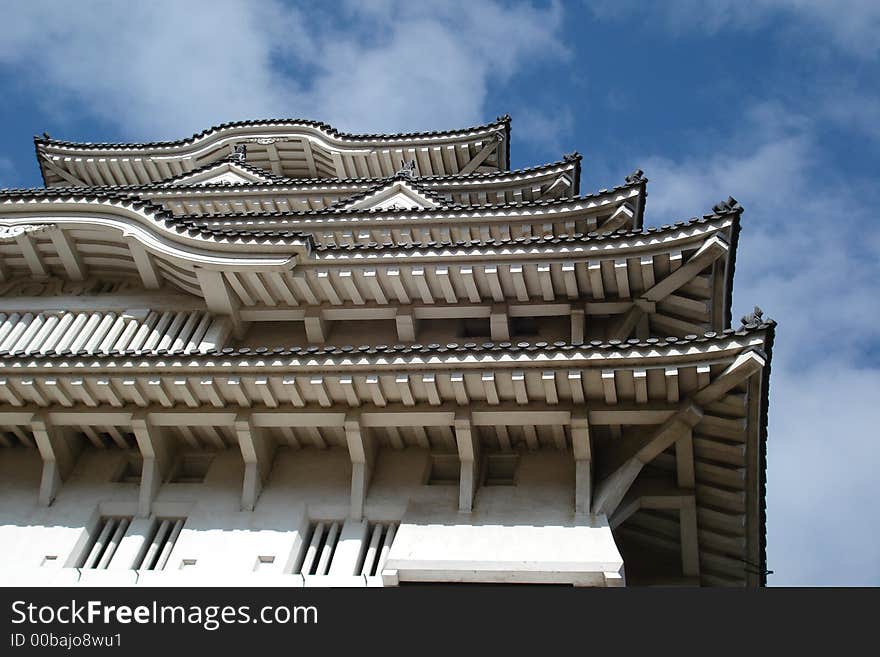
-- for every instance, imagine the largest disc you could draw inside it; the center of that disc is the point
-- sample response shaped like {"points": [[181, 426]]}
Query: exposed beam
{"points": [[619, 218], [70, 257], [499, 324], [632, 456], [59, 449], [316, 326], [258, 451], [712, 249], [32, 256], [469, 455], [743, 366], [157, 451], [480, 157], [624, 325], [362, 450], [406, 323], [219, 298], [66, 175], [580, 443]]}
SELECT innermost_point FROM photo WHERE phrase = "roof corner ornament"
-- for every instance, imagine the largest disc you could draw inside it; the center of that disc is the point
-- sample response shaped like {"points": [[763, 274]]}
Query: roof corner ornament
{"points": [[239, 152], [636, 176], [46, 135], [499, 136], [753, 319], [730, 205], [503, 118], [407, 170], [574, 156]]}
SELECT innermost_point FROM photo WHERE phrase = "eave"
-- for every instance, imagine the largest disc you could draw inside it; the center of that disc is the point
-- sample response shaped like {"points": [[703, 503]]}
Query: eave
{"points": [[307, 395], [278, 146]]}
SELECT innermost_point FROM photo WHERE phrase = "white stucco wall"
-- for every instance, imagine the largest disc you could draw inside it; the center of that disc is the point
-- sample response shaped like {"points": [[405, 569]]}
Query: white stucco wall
{"points": [[527, 532]]}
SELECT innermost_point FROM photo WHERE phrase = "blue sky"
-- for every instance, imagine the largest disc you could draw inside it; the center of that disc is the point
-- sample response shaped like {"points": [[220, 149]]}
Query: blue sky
{"points": [[775, 102]]}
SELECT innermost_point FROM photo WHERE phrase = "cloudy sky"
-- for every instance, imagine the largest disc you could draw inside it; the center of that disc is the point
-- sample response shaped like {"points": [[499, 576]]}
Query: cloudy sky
{"points": [[775, 102]]}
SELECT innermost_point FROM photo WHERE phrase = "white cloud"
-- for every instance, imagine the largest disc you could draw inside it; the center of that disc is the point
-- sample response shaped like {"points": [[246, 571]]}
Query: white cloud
{"points": [[807, 255], [850, 25], [165, 69]]}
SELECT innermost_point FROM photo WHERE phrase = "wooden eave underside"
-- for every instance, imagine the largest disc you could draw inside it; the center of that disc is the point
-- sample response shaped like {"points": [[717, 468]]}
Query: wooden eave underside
{"points": [[677, 276], [528, 219], [283, 149], [696, 499], [510, 188]]}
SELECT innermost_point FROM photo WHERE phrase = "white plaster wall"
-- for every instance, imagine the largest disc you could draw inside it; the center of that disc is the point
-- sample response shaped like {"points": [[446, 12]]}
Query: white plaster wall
{"points": [[525, 532]]}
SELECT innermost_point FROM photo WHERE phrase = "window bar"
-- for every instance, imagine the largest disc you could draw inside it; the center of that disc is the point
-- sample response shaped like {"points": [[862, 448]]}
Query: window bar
{"points": [[370, 557], [386, 548], [121, 528], [98, 547], [313, 549], [169, 545], [152, 553], [327, 552]]}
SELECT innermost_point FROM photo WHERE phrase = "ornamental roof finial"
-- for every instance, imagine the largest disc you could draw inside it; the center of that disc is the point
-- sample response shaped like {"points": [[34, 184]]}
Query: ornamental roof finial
{"points": [[407, 169], [239, 152], [730, 205], [636, 176], [753, 319]]}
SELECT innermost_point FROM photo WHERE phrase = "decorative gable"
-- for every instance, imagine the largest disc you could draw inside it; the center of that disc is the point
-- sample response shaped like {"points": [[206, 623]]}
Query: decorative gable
{"points": [[229, 173], [394, 195]]}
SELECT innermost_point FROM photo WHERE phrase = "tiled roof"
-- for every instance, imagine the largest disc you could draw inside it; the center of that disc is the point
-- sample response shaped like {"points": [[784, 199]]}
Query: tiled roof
{"points": [[502, 121], [593, 346], [284, 182], [182, 225], [345, 203], [535, 240], [229, 159], [157, 212]]}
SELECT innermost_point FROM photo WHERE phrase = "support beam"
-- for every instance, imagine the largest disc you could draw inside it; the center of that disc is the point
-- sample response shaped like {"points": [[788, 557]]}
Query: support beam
{"points": [[316, 326], [59, 448], [469, 455], [151, 276], [32, 256], [623, 327], [362, 450], [690, 545], [499, 324], [709, 252], [258, 451], [66, 175], [621, 217], [157, 450], [634, 454], [480, 157], [407, 324], [220, 299], [577, 325], [70, 257], [743, 366], [580, 443]]}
